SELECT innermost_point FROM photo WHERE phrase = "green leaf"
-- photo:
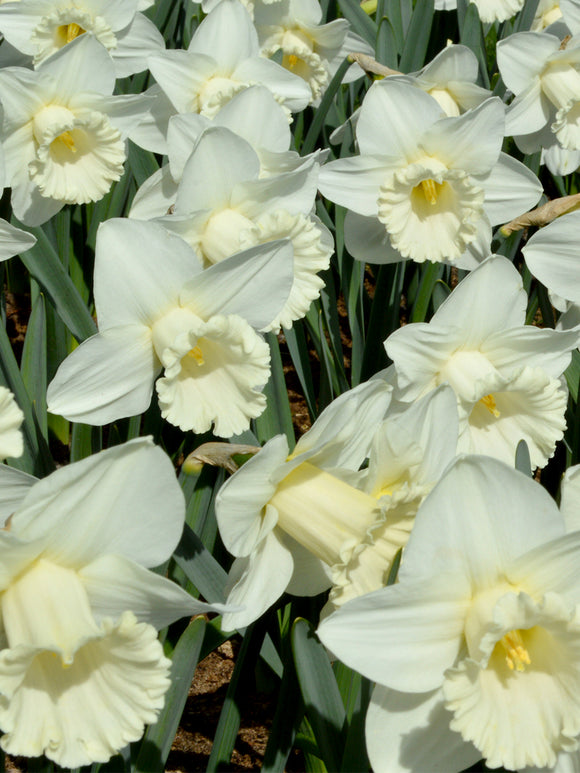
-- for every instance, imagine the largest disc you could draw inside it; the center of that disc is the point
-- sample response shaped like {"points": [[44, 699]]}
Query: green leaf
{"points": [[441, 292], [523, 463], [277, 418], [86, 440], [320, 693], [430, 274], [360, 22], [572, 374], [200, 566], [286, 721], [471, 35], [320, 115], [156, 744], [45, 266], [415, 48], [229, 721], [36, 458], [298, 348], [33, 365]]}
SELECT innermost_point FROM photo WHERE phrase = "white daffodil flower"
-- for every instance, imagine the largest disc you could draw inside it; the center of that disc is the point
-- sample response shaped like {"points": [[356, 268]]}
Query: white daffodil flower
{"points": [[476, 650], [253, 114], [288, 518], [545, 79], [159, 311], [309, 520], [506, 375], [552, 256], [39, 28], [222, 207], [81, 669], [426, 187], [223, 59], [64, 135], [312, 50], [11, 418]]}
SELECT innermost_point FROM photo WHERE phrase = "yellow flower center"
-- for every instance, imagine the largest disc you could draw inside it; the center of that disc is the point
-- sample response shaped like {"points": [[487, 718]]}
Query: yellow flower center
{"points": [[197, 355], [489, 403], [290, 61], [67, 139], [516, 655], [70, 31], [430, 190]]}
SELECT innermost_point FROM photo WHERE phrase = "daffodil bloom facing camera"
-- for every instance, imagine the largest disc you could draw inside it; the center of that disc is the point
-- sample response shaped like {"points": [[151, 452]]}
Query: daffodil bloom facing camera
{"points": [[223, 59], [506, 375], [476, 649], [160, 313], [81, 669], [39, 28], [312, 50], [222, 206], [426, 187], [64, 135]]}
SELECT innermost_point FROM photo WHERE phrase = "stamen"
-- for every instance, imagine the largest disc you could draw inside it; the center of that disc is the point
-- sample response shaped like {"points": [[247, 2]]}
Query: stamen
{"points": [[67, 139], [489, 403], [517, 656], [73, 31], [292, 61], [429, 191], [197, 355]]}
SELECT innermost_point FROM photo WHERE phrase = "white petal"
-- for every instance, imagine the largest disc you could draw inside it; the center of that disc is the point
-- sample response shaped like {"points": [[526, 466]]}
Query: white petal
{"points": [[227, 34], [155, 196], [139, 270], [13, 241], [470, 142], [219, 161], [115, 584], [241, 500], [393, 118], [462, 522], [552, 256], [529, 112], [354, 182], [521, 57], [124, 500], [263, 273], [366, 239], [494, 296], [341, 436], [109, 376], [404, 636], [570, 498], [540, 348], [420, 739], [11, 418], [510, 189], [258, 581], [135, 43], [14, 485], [83, 65]]}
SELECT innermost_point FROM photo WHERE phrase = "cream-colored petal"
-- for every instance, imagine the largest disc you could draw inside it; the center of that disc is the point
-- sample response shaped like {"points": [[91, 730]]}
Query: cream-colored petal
{"points": [[78, 157], [313, 245], [47, 607], [11, 418], [531, 406], [430, 212], [91, 709], [63, 25], [214, 371], [521, 706]]}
